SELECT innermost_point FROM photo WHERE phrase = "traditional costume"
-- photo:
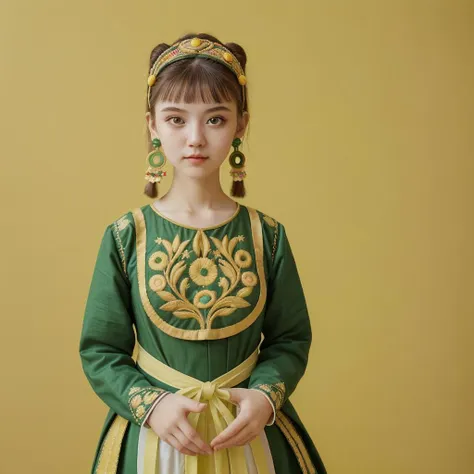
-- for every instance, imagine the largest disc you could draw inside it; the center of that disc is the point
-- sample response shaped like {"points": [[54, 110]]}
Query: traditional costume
{"points": [[212, 308]]}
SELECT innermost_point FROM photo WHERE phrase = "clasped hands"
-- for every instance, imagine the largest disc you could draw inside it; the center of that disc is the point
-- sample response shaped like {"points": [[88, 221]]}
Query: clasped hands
{"points": [[169, 421]]}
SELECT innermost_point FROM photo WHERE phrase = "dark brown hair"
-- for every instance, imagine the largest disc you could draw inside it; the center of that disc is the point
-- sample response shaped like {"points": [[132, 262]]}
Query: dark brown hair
{"points": [[197, 78]]}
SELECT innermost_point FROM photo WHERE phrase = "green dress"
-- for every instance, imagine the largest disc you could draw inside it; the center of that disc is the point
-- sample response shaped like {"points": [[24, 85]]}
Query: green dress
{"points": [[200, 300]]}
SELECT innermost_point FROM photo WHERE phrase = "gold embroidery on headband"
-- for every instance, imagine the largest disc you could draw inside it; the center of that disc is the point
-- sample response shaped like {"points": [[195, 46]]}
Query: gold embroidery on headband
{"points": [[192, 48]]}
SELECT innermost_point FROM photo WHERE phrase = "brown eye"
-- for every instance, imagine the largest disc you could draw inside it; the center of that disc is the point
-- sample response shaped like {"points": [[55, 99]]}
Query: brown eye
{"points": [[171, 119], [222, 120]]}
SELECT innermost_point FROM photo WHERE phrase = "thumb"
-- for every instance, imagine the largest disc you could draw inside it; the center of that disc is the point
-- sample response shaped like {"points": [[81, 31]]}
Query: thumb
{"points": [[194, 406]]}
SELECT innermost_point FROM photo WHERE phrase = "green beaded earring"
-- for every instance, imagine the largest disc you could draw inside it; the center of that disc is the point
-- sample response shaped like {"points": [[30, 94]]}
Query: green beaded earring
{"points": [[237, 163], [156, 160]]}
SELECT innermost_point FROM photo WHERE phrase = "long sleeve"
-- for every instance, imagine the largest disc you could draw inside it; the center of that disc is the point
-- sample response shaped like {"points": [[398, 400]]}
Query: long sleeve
{"points": [[287, 330], [107, 339]]}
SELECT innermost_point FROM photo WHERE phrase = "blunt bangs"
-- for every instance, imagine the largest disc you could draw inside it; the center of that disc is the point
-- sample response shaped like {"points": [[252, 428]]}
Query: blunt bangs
{"points": [[196, 80]]}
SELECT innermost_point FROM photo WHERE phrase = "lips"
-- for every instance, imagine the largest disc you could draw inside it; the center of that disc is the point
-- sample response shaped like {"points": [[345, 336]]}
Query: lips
{"points": [[195, 157]]}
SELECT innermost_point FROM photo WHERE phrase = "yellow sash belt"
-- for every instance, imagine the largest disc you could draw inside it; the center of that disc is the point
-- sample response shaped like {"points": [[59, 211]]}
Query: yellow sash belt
{"points": [[208, 423]]}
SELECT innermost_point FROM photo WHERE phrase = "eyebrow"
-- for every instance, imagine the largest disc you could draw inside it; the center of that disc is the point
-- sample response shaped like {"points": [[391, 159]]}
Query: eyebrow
{"points": [[212, 109]]}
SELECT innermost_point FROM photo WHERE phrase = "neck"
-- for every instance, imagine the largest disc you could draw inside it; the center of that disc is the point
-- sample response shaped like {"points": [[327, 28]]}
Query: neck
{"points": [[195, 195]]}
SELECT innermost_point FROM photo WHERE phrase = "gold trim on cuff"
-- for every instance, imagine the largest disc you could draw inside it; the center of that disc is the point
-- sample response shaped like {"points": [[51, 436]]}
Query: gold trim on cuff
{"points": [[276, 392], [158, 400], [140, 401]]}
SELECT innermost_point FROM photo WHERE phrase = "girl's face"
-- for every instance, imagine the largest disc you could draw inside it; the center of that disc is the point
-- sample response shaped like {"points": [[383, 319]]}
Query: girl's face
{"points": [[196, 129]]}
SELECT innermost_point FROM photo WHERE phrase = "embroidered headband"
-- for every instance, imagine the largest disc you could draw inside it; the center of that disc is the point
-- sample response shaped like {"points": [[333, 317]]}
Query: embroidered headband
{"points": [[200, 48]]}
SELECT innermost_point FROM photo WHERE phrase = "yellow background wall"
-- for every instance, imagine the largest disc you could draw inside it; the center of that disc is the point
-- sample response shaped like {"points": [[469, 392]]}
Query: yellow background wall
{"points": [[361, 144]]}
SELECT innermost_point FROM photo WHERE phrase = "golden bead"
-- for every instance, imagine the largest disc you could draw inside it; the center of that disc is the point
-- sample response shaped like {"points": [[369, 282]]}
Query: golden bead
{"points": [[228, 57], [242, 80], [151, 79], [195, 42]]}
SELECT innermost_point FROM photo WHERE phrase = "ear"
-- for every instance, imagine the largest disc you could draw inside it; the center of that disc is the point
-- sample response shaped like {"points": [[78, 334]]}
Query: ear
{"points": [[242, 125], [151, 125]]}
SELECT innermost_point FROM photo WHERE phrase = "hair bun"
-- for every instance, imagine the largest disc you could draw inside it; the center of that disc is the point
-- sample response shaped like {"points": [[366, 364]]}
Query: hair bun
{"points": [[238, 52], [156, 52]]}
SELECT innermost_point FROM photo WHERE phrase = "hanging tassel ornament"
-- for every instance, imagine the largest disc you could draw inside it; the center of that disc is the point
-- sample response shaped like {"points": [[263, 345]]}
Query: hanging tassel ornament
{"points": [[156, 160], [237, 163]]}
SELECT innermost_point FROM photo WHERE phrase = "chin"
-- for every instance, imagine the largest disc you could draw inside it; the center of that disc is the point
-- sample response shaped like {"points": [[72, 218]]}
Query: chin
{"points": [[206, 166], [198, 172]]}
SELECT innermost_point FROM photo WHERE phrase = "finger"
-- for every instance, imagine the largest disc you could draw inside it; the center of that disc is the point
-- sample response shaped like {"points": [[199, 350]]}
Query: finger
{"points": [[237, 395], [232, 395], [172, 441], [193, 435], [186, 442], [235, 427], [243, 437], [193, 405]]}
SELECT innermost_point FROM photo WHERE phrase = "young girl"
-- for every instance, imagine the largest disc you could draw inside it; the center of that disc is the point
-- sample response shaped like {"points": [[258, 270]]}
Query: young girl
{"points": [[212, 289]]}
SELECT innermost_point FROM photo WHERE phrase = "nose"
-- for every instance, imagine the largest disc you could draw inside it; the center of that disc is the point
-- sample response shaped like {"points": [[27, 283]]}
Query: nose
{"points": [[196, 136]]}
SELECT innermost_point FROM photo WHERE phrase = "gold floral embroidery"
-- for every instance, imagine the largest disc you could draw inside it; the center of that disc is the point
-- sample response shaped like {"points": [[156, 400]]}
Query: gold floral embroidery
{"points": [[244, 292], [203, 272], [136, 401], [186, 254], [150, 397], [158, 260], [140, 400], [276, 392], [157, 282], [243, 258], [201, 244], [249, 279], [208, 296], [207, 333]]}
